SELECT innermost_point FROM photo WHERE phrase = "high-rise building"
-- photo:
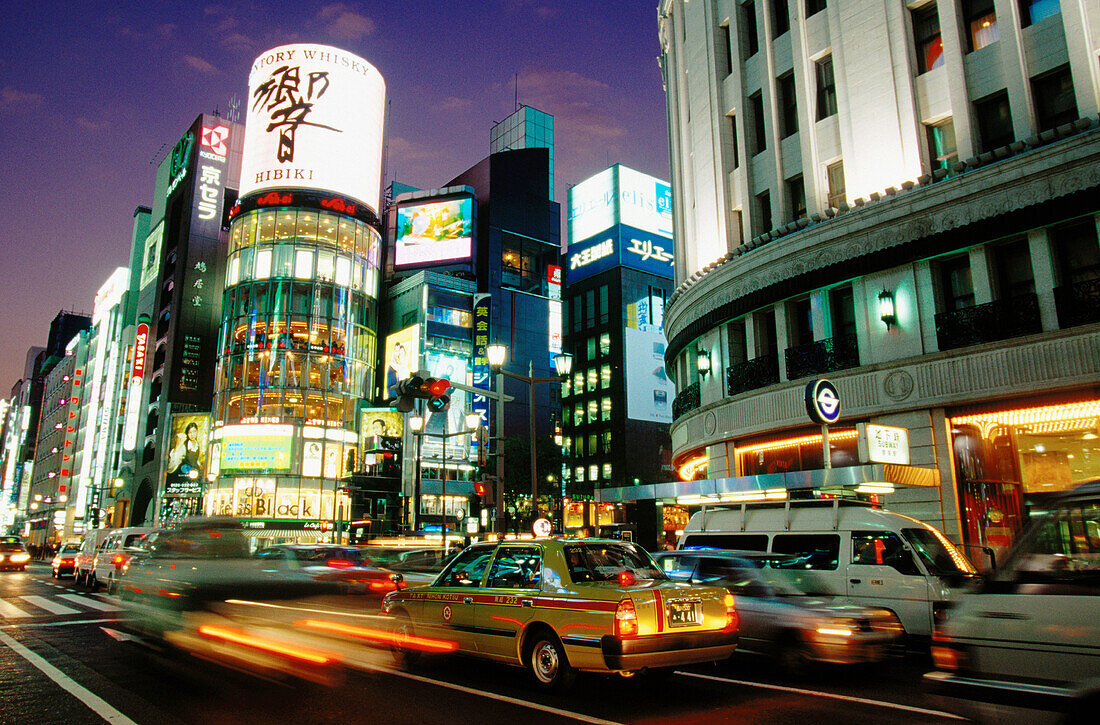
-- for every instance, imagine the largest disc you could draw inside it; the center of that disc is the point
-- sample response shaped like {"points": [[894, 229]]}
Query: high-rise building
{"points": [[618, 274], [903, 198], [298, 323], [525, 128]]}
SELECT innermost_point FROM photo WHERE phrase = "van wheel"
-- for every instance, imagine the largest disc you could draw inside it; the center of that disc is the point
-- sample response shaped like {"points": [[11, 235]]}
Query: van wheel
{"points": [[794, 656], [548, 663], [402, 631]]}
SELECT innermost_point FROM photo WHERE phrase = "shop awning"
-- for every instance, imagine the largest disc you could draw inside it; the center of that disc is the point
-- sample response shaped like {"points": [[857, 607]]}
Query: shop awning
{"points": [[285, 534]]}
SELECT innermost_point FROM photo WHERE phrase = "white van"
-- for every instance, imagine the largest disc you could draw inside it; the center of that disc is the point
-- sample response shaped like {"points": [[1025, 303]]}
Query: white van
{"points": [[85, 558], [846, 548], [111, 556]]}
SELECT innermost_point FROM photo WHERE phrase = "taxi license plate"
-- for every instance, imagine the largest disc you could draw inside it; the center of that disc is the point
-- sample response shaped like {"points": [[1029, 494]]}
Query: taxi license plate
{"points": [[684, 612]]}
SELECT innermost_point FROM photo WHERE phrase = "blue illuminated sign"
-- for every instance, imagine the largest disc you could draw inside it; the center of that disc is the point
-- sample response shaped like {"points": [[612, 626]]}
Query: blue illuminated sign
{"points": [[620, 245]]}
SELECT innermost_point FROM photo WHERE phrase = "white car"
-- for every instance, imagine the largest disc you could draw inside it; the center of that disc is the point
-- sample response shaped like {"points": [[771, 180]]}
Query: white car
{"points": [[111, 556], [1026, 643]]}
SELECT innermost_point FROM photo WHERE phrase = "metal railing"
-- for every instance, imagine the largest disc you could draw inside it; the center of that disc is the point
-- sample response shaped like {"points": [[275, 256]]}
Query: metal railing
{"points": [[686, 401], [752, 374], [1078, 304], [997, 320], [822, 356]]}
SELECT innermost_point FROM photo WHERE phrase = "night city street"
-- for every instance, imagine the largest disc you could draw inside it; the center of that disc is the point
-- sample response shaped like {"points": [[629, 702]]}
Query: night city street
{"points": [[539, 361], [78, 671]]}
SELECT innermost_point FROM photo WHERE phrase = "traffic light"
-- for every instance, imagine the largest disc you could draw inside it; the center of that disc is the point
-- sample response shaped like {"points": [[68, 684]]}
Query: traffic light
{"points": [[435, 390], [407, 391], [486, 489]]}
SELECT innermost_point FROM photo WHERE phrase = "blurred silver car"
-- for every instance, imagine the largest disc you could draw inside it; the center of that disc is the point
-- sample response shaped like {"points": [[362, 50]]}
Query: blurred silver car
{"points": [[778, 618]]}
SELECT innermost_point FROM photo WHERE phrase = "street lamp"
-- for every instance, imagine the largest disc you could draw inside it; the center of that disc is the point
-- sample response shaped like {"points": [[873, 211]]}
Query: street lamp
{"points": [[416, 425], [563, 365]]}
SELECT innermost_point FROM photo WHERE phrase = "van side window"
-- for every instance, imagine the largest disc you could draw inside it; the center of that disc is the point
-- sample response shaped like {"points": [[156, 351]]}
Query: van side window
{"points": [[742, 542], [811, 551], [882, 548], [1063, 553]]}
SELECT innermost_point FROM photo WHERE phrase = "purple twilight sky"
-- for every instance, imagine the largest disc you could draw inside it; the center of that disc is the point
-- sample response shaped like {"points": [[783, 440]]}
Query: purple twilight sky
{"points": [[93, 93]]}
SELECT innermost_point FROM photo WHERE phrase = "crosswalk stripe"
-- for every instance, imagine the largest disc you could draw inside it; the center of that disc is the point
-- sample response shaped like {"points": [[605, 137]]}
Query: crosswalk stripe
{"points": [[89, 602], [11, 611], [51, 607]]}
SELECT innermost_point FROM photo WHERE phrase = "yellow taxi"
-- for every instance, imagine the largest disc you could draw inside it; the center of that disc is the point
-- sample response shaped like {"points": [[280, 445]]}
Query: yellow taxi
{"points": [[557, 606]]}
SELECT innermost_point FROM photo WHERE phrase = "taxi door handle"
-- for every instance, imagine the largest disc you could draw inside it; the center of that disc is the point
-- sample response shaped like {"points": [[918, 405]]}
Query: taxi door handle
{"points": [[526, 603], [467, 600], [856, 581]]}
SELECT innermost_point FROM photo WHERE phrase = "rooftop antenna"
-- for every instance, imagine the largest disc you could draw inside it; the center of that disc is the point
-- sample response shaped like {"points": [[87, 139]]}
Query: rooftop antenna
{"points": [[158, 155], [234, 108], [515, 98]]}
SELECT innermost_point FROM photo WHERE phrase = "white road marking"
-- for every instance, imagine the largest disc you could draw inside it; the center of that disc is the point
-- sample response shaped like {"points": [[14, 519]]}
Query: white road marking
{"points": [[51, 607], [11, 611], [501, 698], [91, 700], [66, 623], [828, 695], [89, 602]]}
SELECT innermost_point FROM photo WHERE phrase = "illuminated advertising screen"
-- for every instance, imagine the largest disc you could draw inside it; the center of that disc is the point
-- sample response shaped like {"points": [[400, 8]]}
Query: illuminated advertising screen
{"points": [[380, 429], [620, 195], [402, 357], [315, 121], [186, 467], [437, 231], [645, 202], [592, 206], [251, 448], [150, 256], [442, 364], [649, 392]]}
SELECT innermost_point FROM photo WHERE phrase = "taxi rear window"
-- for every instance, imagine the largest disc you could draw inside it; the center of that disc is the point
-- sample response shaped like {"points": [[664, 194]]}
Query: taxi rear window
{"points": [[605, 562]]}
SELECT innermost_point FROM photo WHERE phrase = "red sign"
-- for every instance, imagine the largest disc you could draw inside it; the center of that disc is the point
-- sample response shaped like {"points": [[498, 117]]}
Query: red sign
{"points": [[553, 281], [215, 138], [141, 349]]}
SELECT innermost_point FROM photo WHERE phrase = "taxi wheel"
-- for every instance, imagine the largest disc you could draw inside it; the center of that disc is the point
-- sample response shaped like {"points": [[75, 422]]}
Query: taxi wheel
{"points": [[402, 630], [548, 664], [78, 579], [91, 581]]}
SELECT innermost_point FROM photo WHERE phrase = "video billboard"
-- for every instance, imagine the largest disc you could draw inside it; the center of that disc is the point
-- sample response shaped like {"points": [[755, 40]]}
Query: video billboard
{"points": [[186, 467], [381, 432], [443, 364], [402, 357], [649, 392], [436, 231], [315, 121], [251, 448]]}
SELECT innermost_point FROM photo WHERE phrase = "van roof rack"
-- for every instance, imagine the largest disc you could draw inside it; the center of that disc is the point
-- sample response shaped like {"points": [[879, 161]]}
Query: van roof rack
{"points": [[787, 505]]}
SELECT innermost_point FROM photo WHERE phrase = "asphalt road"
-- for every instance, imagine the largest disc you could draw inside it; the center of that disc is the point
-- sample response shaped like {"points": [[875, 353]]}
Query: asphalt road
{"points": [[62, 660]]}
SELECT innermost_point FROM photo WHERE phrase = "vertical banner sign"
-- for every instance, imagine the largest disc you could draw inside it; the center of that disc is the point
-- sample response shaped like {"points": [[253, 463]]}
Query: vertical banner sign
{"points": [[133, 390], [481, 373]]}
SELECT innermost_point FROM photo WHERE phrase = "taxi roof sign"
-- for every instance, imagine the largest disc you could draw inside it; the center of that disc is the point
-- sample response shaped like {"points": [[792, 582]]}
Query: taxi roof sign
{"points": [[822, 402]]}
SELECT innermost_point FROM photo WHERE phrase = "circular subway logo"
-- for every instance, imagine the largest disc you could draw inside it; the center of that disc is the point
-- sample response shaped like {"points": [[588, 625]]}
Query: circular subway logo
{"points": [[822, 402]]}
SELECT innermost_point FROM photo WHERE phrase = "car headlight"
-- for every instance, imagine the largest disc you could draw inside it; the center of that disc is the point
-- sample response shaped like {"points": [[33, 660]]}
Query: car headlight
{"points": [[839, 628], [19, 558]]}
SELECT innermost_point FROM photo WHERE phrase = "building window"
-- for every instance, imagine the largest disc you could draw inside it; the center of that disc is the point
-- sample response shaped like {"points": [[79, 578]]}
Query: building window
{"points": [[756, 108], [1012, 269], [603, 304], [796, 197], [578, 415], [593, 472], [578, 319], [781, 19], [994, 121], [842, 310], [605, 442], [788, 105], [1055, 102], [1032, 11], [605, 376], [578, 474], [593, 411], [813, 7], [578, 447], [605, 409], [592, 376], [941, 145], [926, 35], [748, 26], [578, 382], [733, 136], [1076, 252], [826, 88], [726, 66], [605, 343], [735, 336], [834, 177], [590, 308], [802, 322], [592, 444], [981, 23], [606, 471], [955, 284], [764, 209]]}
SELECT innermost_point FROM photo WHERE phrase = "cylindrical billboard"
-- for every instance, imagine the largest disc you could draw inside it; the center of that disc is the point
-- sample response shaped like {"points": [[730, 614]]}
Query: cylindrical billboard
{"points": [[315, 122]]}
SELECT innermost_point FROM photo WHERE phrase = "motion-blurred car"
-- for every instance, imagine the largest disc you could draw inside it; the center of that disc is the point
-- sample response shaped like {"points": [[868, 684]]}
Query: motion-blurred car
{"points": [[557, 606], [1025, 644], [112, 554], [419, 564], [13, 553], [779, 619], [64, 562], [335, 563]]}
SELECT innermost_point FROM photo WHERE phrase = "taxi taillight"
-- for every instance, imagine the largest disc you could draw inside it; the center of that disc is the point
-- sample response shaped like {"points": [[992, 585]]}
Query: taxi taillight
{"points": [[626, 619], [339, 563], [731, 612], [118, 560]]}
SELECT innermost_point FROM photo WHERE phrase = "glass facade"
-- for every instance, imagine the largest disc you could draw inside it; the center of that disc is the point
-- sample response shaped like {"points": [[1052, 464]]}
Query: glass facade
{"points": [[295, 354]]}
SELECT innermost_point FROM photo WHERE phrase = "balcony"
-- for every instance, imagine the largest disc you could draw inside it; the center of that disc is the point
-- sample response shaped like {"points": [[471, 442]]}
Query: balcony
{"points": [[752, 374], [998, 320], [822, 356], [1078, 304], [686, 401]]}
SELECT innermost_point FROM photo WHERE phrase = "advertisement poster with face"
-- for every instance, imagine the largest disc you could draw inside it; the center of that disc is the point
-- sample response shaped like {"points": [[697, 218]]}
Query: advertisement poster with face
{"points": [[649, 392], [437, 231], [453, 420], [312, 455], [381, 431], [402, 357], [187, 455]]}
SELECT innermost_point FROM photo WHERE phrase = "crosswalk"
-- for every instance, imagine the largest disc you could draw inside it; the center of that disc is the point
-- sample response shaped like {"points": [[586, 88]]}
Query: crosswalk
{"points": [[32, 605]]}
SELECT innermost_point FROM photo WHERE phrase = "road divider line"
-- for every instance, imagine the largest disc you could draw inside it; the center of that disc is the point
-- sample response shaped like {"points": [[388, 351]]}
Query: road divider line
{"points": [[494, 696], [95, 703], [828, 695]]}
